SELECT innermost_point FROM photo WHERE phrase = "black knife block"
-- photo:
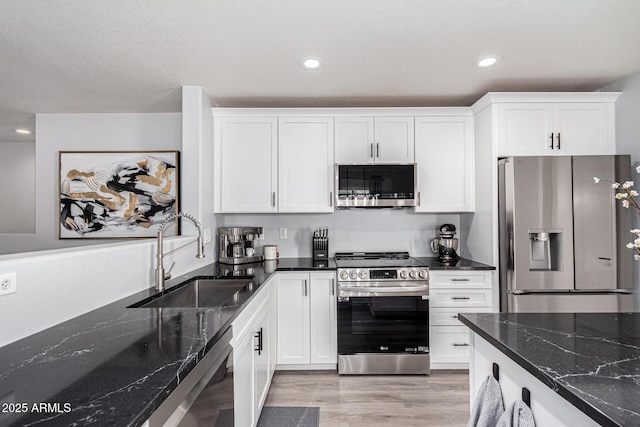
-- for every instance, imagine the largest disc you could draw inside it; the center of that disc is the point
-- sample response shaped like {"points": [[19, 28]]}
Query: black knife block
{"points": [[320, 245]]}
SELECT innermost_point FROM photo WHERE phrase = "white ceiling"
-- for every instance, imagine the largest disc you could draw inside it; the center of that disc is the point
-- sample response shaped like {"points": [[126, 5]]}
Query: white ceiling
{"points": [[60, 56]]}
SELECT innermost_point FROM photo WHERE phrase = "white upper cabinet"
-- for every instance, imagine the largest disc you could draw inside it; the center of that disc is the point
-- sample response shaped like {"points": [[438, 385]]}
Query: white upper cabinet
{"points": [[444, 155], [248, 164], [305, 164], [555, 128], [374, 139]]}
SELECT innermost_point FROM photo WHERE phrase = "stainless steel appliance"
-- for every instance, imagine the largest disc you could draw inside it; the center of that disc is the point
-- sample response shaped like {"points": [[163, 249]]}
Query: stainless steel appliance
{"points": [[562, 237], [383, 314], [375, 185], [446, 245], [236, 245]]}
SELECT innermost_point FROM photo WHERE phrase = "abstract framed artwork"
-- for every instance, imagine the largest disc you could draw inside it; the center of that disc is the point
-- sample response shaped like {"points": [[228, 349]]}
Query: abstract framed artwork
{"points": [[117, 194]]}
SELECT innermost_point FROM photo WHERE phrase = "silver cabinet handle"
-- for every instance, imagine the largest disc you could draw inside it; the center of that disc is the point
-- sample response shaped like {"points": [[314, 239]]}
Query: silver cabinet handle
{"points": [[371, 150], [333, 287], [330, 198], [418, 198], [460, 280], [378, 150], [455, 344], [306, 291], [460, 298], [273, 199]]}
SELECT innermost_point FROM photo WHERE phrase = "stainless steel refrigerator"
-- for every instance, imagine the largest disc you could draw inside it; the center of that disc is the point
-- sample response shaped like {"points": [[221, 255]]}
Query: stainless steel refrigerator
{"points": [[562, 236]]}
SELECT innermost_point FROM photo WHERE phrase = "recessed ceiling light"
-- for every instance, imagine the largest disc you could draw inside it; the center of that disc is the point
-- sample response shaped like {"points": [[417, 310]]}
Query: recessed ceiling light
{"points": [[23, 131], [311, 63], [488, 61]]}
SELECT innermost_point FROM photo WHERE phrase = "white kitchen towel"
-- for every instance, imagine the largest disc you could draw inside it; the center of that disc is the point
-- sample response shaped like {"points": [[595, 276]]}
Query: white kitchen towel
{"points": [[518, 414], [488, 407]]}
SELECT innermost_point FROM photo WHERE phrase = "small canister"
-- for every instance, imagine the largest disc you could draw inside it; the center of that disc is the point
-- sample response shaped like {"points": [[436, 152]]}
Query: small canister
{"points": [[270, 252]]}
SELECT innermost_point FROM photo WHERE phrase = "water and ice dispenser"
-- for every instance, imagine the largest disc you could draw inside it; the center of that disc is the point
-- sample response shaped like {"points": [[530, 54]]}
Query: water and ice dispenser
{"points": [[545, 250]]}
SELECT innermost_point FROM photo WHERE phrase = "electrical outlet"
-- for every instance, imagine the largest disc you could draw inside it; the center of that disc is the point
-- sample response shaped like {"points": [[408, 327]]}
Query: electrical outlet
{"points": [[283, 233], [207, 235], [7, 283]]}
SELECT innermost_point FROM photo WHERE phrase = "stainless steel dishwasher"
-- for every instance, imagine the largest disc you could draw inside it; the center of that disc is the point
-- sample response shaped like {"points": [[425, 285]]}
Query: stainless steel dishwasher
{"points": [[205, 397]]}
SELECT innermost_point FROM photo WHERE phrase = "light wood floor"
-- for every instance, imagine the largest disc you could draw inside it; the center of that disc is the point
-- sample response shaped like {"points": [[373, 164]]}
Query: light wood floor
{"points": [[437, 400]]}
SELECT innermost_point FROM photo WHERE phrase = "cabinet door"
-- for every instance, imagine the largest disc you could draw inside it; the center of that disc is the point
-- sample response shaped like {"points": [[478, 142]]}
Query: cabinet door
{"points": [[323, 320], [293, 318], [394, 140], [584, 128], [444, 155], [305, 164], [243, 382], [262, 376], [524, 128], [249, 164], [354, 140]]}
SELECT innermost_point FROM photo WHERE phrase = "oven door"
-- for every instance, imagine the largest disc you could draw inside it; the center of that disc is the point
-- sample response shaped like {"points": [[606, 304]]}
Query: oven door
{"points": [[383, 324]]}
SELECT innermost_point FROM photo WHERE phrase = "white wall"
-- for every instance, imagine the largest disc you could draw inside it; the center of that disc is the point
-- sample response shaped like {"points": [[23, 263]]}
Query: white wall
{"points": [[349, 230], [63, 283], [90, 132], [628, 136], [17, 187], [197, 151]]}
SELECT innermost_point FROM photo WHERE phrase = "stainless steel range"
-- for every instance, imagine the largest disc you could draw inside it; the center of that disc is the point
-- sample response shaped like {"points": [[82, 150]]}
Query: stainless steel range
{"points": [[383, 313]]}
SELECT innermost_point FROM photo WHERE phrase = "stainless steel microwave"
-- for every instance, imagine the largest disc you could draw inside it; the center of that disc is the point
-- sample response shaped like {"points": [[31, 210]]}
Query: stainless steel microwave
{"points": [[375, 185]]}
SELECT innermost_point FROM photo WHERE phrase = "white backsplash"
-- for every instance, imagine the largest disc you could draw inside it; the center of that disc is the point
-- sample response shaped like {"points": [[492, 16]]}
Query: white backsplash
{"points": [[349, 230]]}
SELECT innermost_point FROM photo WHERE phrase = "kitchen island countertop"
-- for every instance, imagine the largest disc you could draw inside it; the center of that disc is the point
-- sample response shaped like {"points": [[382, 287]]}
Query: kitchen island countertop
{"points": [[590, 359]]}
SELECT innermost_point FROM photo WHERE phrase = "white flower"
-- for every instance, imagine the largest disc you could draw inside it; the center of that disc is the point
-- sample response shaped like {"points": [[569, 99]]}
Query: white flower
{"points": [[636, 257], [621, 196], [636, 243], [627, 184], [638, 169], [615, 185], [630, 245], [635, 231], [596, 179], [634, 193], [625, 203]]}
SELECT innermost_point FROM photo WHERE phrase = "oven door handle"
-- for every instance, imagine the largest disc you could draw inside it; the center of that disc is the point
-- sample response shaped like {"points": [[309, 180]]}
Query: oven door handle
{"points": [[385, 289]]}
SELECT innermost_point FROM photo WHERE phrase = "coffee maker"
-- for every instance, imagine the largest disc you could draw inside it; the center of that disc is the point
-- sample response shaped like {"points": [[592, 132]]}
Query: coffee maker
{"points": [[446, 245], [236, 245]]}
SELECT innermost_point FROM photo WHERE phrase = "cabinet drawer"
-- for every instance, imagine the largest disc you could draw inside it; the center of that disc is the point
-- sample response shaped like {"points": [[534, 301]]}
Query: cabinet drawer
{"points": [[469, 279], [460, 298], [449, 317], [449, 343]]}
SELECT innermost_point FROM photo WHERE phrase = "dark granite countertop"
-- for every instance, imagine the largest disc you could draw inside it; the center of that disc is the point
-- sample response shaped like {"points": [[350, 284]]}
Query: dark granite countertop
{"points": [[461, 264], [590, 359], [115, 365]]}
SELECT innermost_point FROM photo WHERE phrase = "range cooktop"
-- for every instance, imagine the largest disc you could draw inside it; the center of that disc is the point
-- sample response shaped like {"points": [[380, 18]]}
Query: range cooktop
{"points": [[375, 260]]}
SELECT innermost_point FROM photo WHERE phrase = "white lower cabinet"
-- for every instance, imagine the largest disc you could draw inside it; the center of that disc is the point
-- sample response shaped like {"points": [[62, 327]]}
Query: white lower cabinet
{"points": [[252, 354], [306, 320], [450, 293]]}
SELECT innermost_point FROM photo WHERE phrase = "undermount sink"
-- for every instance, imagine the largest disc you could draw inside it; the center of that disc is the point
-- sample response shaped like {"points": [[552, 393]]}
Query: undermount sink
{"points": [[198, 293]]}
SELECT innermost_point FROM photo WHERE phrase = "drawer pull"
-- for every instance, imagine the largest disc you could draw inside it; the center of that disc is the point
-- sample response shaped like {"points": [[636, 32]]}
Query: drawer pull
{"points": [[454, 316], [460, 298], [460, 344], [460, 280]]}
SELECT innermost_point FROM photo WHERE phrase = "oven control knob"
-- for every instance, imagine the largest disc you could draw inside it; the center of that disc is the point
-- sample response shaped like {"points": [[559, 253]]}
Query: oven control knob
{"points": [[353, 275], [412, 274], [423, 274], [362, 275], [344, 275], [403, 274]]}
